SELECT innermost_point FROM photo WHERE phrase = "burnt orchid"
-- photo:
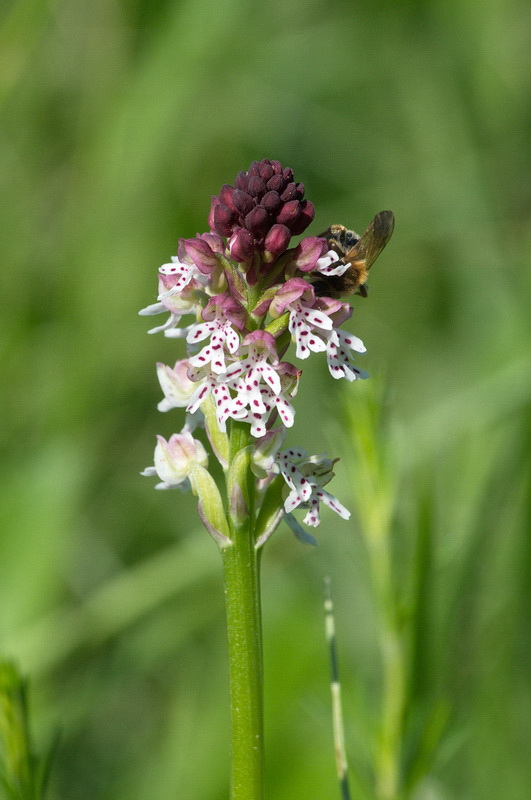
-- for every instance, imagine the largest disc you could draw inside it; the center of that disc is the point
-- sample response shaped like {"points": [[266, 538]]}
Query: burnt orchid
{"points": [[245, 294], [238, 296]]}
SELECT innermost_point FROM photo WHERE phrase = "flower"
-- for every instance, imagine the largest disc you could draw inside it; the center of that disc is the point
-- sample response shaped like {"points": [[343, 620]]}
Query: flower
{"points": [[177, 303], [221, 313], [177, 387], [261, 347], [254, 402], [176, 459], [249, 294], [307, 255], [306, 476], [312, 323], [339, 346], [306, 320]]}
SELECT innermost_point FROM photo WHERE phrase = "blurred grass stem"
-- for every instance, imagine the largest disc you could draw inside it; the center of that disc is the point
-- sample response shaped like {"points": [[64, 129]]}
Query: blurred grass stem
{"points": [[23, 774], [376, 500], [388, 752], [337, 705]]}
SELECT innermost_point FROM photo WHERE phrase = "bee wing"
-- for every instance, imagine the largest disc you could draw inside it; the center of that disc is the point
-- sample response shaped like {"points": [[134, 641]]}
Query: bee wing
{"points": [[373, 240]]}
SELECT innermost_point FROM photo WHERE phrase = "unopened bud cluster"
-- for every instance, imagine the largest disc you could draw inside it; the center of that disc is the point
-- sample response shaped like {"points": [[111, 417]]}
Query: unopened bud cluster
{"points": [[261, 212], [245, 295]]}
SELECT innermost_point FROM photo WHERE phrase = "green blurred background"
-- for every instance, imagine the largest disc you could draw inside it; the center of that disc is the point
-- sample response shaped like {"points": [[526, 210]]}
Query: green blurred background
{"points": [[119, 119]]}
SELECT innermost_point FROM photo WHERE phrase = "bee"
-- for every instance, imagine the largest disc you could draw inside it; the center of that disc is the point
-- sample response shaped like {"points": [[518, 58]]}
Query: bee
{"points": [[359, 252]]}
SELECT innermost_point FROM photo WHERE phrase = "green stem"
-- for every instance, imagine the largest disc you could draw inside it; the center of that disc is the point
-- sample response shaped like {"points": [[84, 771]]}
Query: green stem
{"points": [[241, 564]]}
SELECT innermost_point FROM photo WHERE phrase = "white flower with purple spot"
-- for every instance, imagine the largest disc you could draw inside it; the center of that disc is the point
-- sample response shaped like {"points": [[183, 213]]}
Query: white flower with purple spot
{"points": [[306, 476], [256, 403], [319, 496], [254, 368], [221, 313], [331, 264], [300, 486], [306, 321], [196, 260], [177, 304], [224, 405], [205, 383], [285, 410], [339, 347], [289, 382], [210, 384], [181, 273], [245, 411]]}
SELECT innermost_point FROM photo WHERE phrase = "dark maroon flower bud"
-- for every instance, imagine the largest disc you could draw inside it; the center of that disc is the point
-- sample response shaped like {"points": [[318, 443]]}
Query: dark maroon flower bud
{"points": [[258, 222], [271, 202], [289, 193], [289, 213], [287, 174], [266, 171], [305, 218], [300, 191], [277, 239], [253, 169], [256, 186], [225, 196], [241, 181], [277, 167], [276, 183], [241, 245], [242, 201], [223, 219]]}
